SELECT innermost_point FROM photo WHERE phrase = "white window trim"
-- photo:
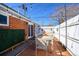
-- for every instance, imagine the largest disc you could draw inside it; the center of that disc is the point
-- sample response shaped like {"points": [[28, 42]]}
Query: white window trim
{"points": [[7, 19]]}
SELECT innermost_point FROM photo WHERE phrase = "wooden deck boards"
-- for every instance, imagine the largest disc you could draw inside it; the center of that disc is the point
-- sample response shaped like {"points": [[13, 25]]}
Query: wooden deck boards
{"points": [[54, 49]]}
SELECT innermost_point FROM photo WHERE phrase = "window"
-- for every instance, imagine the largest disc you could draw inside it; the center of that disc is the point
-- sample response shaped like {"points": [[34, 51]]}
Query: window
{"points": [[4, 20], [30, 30]]}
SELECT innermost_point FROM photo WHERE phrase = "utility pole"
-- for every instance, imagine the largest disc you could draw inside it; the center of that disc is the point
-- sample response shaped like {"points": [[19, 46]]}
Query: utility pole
{"points": [[24, 8], [65, 24], [59, 27]]}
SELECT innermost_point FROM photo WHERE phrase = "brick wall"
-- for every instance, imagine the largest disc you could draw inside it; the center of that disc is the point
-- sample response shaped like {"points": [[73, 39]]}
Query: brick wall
{"points": [[15, 23]]}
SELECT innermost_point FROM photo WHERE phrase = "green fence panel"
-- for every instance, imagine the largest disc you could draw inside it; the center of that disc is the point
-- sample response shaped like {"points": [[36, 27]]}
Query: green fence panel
{"points": [[10, 37]]}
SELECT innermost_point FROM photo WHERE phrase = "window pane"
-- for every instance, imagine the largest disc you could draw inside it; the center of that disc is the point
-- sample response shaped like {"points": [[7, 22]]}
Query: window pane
{"points": [[3, 19]]}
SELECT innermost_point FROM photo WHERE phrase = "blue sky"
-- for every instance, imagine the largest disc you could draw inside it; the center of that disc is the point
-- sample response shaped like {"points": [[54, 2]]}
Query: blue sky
{"points": [[39, 12]]}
